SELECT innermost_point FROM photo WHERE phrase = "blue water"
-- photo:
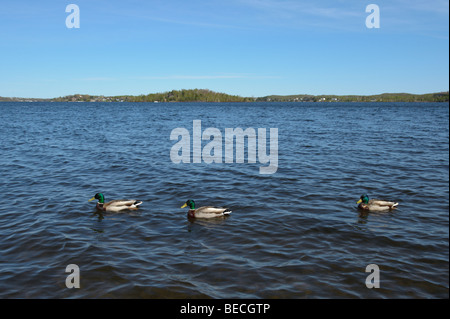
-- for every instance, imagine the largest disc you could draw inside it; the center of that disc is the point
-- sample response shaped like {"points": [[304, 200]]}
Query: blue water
{"points": [[292, 234]]}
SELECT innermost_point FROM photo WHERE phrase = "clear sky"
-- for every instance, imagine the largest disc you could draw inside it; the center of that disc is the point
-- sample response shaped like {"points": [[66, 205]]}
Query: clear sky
{"points": [[243, 47]]}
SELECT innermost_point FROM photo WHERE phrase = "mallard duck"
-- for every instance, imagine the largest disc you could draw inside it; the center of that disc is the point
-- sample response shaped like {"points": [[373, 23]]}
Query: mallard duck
{"points": [[115, 205], [205, 211], [375, 204]]}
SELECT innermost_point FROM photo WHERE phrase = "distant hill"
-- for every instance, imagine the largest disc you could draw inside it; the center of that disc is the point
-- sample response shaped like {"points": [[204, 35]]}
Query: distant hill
{"points": [[195, 95], [205, 95]]}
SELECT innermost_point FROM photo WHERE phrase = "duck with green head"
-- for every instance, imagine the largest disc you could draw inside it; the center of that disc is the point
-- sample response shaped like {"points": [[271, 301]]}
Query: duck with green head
{"points": [[375, 204], [205, 211], [115, 205]]}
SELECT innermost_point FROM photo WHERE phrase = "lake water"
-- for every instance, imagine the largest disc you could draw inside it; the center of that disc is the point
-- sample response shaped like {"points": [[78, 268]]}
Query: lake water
{"points": [[293, 234]]}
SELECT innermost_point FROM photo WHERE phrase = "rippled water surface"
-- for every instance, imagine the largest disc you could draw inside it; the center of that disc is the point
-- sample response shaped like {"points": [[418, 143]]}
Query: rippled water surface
{"points": [[293, 234]]}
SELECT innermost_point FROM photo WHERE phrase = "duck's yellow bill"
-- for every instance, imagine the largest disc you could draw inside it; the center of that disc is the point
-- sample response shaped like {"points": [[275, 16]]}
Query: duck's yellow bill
{"points": [[184, 205], [91, 199], [359, 201]]}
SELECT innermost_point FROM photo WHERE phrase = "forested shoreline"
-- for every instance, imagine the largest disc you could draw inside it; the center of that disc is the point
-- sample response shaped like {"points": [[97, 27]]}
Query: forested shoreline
{"points": [[205, 95]]}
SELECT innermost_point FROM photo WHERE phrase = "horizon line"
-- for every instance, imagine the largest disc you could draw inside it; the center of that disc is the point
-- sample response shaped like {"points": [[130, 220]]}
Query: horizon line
{"points": [[279, 95]]}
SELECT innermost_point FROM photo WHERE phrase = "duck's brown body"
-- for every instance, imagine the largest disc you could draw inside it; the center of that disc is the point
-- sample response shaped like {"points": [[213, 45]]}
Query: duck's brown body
{"points": [[208, 212], [118, 205]]}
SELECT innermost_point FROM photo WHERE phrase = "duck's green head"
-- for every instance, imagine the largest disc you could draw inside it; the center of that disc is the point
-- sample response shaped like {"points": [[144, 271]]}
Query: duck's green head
{"points": [[100, 197], [189, 203], [363, 199]]}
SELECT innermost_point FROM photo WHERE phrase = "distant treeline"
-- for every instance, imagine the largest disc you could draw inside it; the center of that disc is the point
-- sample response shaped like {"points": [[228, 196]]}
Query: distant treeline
{"points": [[196, 95], [386, 97], [205, 95]]}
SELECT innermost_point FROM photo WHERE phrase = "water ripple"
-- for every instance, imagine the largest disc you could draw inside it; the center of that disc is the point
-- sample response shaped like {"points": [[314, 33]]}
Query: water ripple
{"points": [[294, 234]]}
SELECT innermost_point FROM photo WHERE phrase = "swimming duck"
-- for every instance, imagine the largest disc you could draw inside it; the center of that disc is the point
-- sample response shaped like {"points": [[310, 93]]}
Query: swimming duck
{"points": [[115, 205], [375, 204], [205, 211]]}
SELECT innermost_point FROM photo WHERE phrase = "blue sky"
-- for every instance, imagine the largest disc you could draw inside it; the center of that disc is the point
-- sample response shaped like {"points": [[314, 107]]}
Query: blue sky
{"points": [[243, 47]]}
